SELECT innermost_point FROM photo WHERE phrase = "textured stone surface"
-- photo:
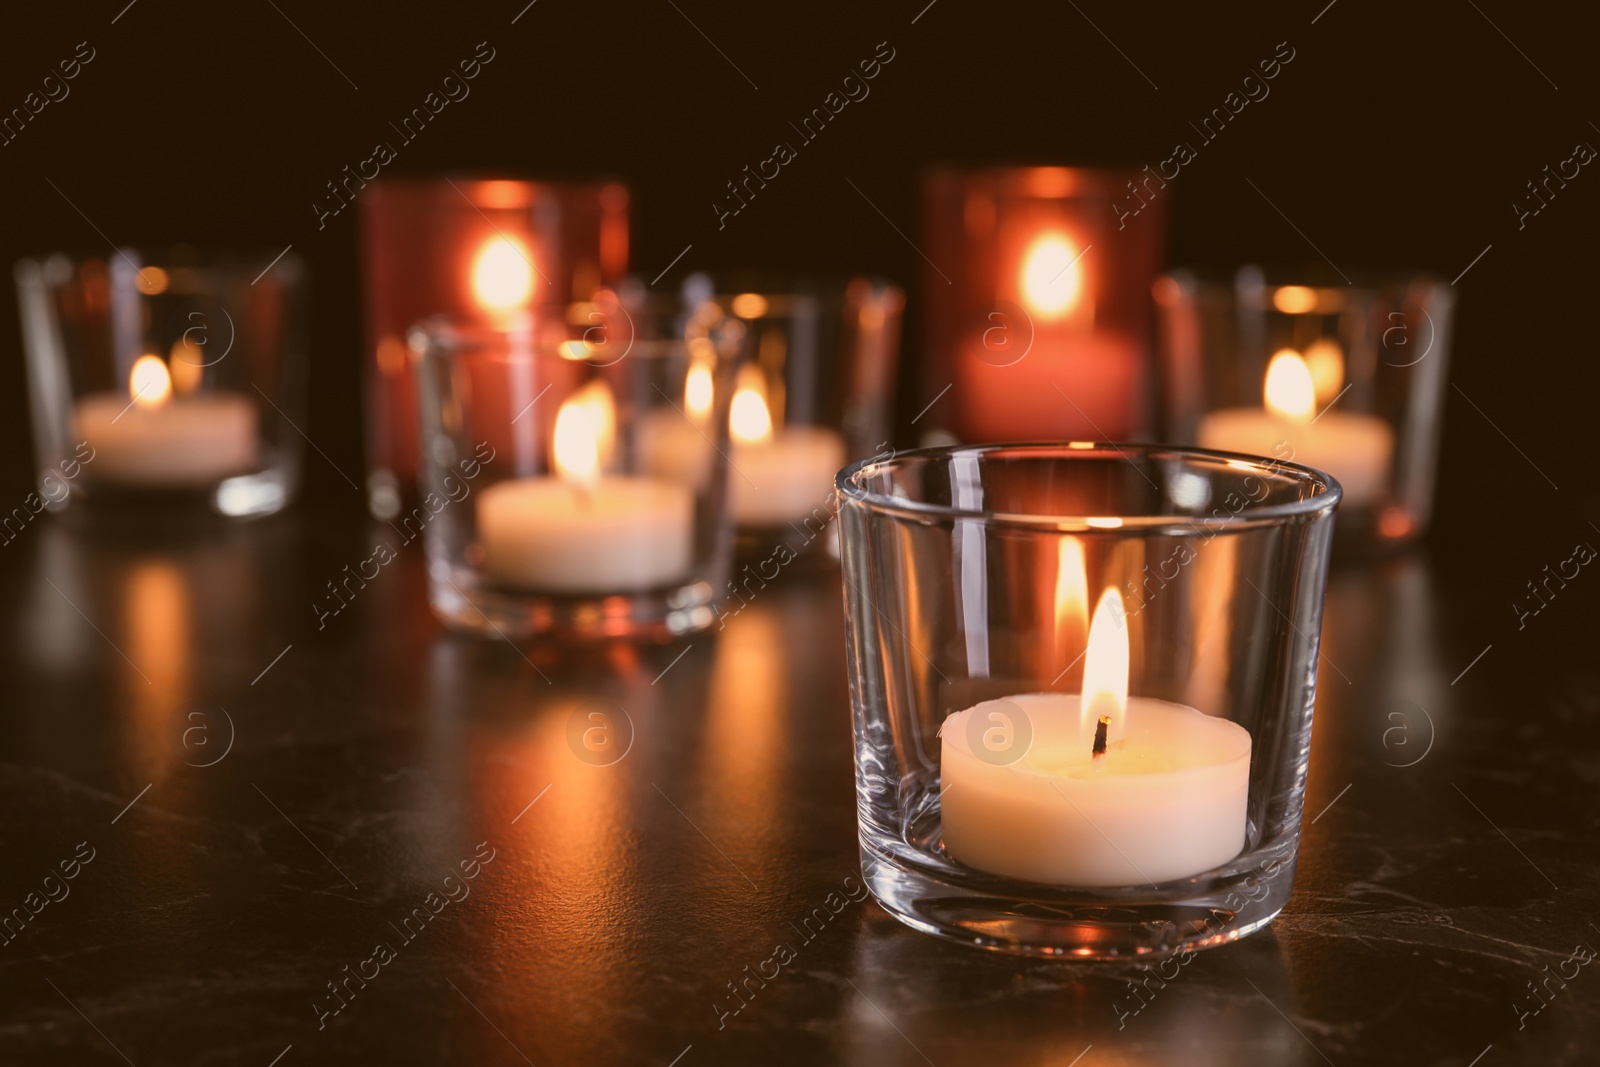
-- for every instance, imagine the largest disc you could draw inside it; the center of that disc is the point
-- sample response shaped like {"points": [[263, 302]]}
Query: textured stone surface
{"points": [[378, 753]]}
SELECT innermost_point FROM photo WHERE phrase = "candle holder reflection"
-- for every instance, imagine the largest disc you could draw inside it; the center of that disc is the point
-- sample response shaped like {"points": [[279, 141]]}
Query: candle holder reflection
{"points": [[176, 381], [595, 465], [1042, 779], [1344, 378]]}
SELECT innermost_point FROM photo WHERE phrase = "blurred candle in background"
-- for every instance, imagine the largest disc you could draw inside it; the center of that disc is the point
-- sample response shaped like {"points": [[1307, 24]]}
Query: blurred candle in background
{"points": [[584, 530], [1036, 294], [779, 474], [1355, 448], [148, 437], [488, 248]]}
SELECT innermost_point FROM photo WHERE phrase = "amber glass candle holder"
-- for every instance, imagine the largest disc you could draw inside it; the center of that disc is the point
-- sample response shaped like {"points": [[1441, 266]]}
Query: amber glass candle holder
{"points": [[1036, 292], [165, 382], [1344, 377], [490, 248]]}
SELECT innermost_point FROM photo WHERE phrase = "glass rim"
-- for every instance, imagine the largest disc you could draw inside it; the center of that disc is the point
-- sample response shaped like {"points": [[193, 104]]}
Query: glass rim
{"points": [[1323, 500], [1210, 277], [1038, 180], [466, 334], [169, 258]]}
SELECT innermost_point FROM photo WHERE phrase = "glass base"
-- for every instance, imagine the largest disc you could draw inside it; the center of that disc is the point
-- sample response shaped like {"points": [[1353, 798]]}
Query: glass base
{"points": [[242, 496], [659, 615], [1018, 918]]}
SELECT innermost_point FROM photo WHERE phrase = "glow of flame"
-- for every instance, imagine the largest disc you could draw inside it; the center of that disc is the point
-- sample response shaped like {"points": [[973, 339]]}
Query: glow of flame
{"points": [[159, 626], [186, 365], [152, 281], [749, 420], [502, 275], [1072, 597], [149, 383], [1325, 360], [1294, 299], [1105, 667], [1052, 276], [749, 305], [1289, 390], [585, 430], [697, 391]]}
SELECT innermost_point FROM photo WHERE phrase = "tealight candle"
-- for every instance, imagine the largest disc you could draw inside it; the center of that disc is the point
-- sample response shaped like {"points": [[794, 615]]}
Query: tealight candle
{"points": [[583, 531], [1356, 449], [151, 439], [777, 476], [1075, 378], [674, 443], [1076, 386], [1108, 790]]}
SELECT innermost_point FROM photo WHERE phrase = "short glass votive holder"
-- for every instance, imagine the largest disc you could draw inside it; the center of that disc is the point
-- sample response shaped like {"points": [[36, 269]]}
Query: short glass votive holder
{"points": [[575, 490], [1348, 378], [470, 246], [814, 391], [170, 382], [1082, 680]]}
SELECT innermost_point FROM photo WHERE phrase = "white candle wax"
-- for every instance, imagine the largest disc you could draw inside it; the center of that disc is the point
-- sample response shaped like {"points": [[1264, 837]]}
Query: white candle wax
{"points": [[1356, 449], [1166, 801], [672, 447], [784, 477], [188, 442], [620, 535]]}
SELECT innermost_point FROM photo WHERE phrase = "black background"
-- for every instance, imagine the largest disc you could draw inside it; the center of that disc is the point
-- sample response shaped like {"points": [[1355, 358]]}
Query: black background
{"points": [[1398, 136]]}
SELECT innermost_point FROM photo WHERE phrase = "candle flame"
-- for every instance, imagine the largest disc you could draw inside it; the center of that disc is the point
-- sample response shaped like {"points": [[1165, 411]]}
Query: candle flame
{"points": [[1072, 598], [1105, 667], [585, 429], [1294, 299], [152, 281], [1289, 389], [502, 275], [186, 365], [1052, 277], [1325, 361], [749, 305], [749, 420], [149, 383], [697, 391]]}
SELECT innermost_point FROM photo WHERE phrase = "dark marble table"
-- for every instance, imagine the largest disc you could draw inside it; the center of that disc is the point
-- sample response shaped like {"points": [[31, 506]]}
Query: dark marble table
{"points": [[250, 806]]}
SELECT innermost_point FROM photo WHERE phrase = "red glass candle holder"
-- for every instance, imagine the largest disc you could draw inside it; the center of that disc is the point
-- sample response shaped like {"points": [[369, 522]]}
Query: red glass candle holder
{"points": [[485, 249], [1037, 301]]}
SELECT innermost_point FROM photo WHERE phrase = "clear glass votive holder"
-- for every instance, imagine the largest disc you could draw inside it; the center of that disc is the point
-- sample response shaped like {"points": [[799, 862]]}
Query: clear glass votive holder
{"points": [[1348, 378], [174, 381], [575, 489], [471, 246], [1081, 681], [814, 391]]}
